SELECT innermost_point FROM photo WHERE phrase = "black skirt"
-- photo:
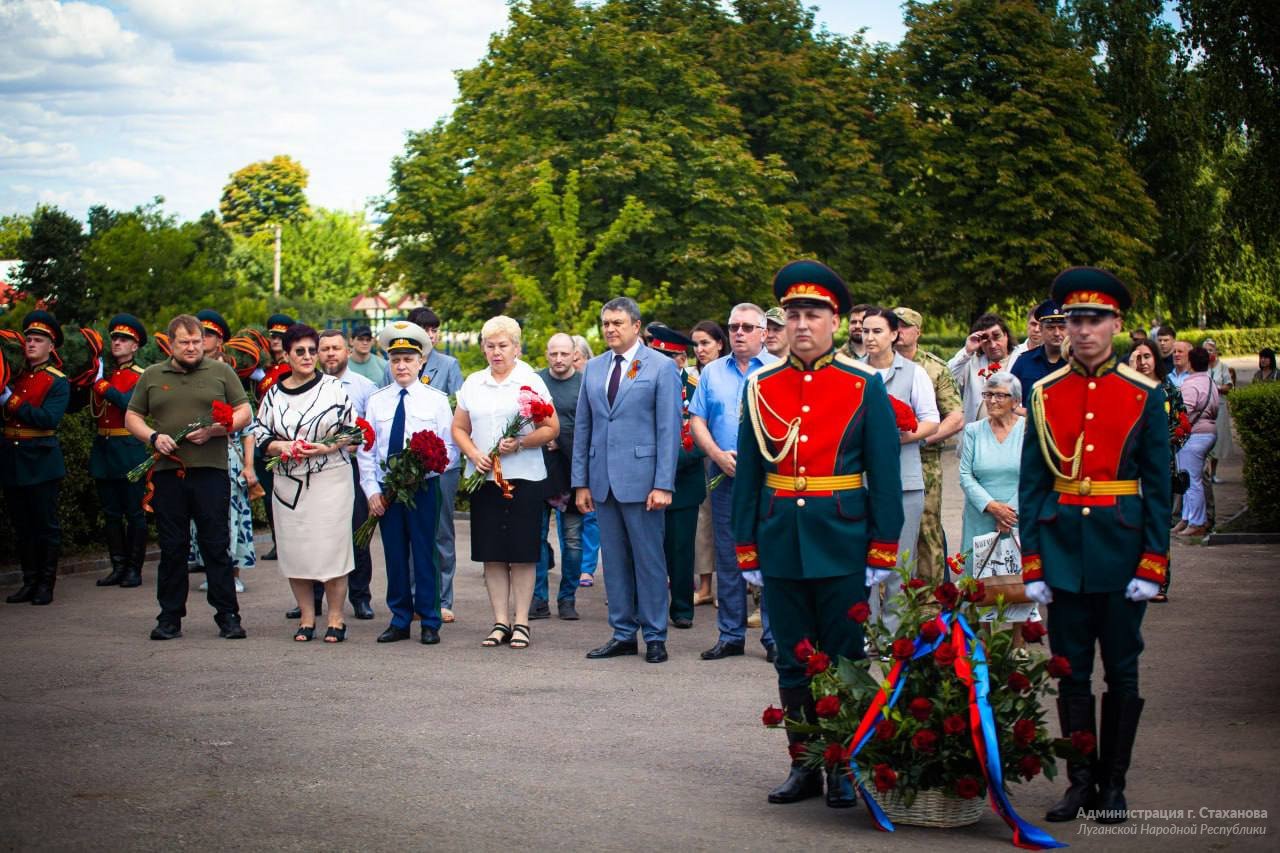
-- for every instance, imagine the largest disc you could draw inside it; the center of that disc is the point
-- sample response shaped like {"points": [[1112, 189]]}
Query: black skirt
{"points": [[506, 531]]}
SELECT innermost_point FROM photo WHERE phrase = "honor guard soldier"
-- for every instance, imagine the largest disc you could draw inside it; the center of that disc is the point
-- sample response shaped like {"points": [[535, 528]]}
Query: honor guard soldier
{"points": [[116, 452], [1094, 491], [691, 483], [817, 506], [31, 466]]}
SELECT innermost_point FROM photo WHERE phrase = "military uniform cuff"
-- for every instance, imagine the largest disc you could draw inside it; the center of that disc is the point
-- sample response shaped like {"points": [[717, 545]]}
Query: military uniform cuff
{"points": [[748, 557], [1152, 567], [882, 555], [12, 406], [1032, 568]]}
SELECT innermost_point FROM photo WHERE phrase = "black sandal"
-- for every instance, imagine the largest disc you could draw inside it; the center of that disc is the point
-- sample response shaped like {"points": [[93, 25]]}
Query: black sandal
{"points": [[500, 634], [304, 634], [336, 635], [516, 641]]}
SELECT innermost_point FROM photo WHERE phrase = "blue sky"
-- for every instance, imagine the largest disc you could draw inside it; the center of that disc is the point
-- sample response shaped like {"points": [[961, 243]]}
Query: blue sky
{"points": [[116, 102]]}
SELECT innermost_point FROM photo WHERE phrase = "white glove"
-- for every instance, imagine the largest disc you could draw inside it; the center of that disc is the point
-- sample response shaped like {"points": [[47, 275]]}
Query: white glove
{"points": [[101, 368], [257, 375], [875, 576], [1039, 592], [5, 395], [1140, 590], [753, 578]]}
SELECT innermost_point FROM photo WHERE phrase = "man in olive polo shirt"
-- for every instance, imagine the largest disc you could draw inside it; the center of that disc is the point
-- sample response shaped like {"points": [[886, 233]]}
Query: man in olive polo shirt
{"points": [[190, 478]]}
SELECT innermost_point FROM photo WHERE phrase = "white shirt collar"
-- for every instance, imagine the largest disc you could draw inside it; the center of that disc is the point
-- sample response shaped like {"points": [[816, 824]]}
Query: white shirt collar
{"points": [[630, 355]]}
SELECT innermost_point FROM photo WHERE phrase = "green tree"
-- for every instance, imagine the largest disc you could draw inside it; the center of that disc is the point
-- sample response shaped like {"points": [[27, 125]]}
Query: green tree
{"points": [[52, 266], [264, 194], [327, 257], [13, 227]]}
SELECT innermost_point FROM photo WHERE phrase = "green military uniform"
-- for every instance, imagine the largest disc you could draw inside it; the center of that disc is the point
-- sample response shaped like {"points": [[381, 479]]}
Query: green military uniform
{"points": [[1094, 497], [690, 492], [114, 454], [817, 499], [31, 465]]}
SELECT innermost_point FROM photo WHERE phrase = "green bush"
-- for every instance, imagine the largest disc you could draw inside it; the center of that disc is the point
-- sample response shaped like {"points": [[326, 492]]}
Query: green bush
{"points": [[1256, 411], [1234, 342]]}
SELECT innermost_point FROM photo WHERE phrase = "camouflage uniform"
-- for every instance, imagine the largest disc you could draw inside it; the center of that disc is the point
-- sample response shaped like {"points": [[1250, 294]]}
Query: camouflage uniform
{"points": [[931, 548]]}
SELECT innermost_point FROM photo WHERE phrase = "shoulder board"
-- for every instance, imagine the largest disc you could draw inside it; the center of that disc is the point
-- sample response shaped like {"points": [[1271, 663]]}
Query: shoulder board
{"points": [[1054, 376], [845, 360], [433, 389], [934, 358], [55, 371], [692, 379], [1134, 376], [137, 370], [384, 388]]}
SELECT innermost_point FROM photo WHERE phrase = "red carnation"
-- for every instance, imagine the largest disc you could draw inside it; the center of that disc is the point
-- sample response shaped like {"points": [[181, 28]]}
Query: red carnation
{"points": [[1084, 742], [976, 594], [860, 612], [1019, 683], [803, 650], [924, 740], [956, 564], [223, 414], [930, 631], [366, 429], [886, 729], [967, 787], [686, 438], [1032, 632], [835, 754], [944, 655], [947, 594], [1024, 732], [818, 662], [886, 779], [920, 708], [1059, 667], [772, 716], [797, 750], [1029, 766], [903, 648], [903, 415], [828, 707], [954, 725]]}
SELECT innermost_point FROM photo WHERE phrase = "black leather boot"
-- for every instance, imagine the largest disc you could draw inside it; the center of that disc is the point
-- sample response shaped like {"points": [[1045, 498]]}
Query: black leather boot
{"points": [[30, 573], [1076, 714], [135, 556], [1120, 715], [48, 575], [802, 782], [840, 790], [119, 556]]}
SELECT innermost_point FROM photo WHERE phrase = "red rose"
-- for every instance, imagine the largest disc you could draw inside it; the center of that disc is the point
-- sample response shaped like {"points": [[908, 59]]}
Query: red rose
{"points": [[920, 708], [947, 594], [803, 650], [1024, 732], [903, 415], [924, 740], [686, 438], [1084, 742], [860, 612], [886, 729], [978, 591], [366, 429], [430, 449], [818, 662], [917, 583], [835, 754], [1029, 766], [828, 707], [1019, 683], [903, 648], [222, 414], [944, 655], [967, 787], [954, 725], [886, 779], [797, 750], [1059, 667], [1032, 632], [772, 716], [930, 631]]}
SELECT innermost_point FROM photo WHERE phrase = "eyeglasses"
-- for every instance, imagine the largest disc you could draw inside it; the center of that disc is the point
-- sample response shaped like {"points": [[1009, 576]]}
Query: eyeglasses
{"points": [[301, 351], [996, 395], [743, 327]]}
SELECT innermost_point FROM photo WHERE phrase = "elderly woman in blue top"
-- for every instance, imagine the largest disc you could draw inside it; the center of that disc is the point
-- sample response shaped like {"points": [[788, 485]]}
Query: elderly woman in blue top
{"points": [[990, 456]]}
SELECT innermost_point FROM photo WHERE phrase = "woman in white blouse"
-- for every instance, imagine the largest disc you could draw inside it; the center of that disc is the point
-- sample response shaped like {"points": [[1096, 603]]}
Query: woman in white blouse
{"points": [[313, 491], [505, 535]]}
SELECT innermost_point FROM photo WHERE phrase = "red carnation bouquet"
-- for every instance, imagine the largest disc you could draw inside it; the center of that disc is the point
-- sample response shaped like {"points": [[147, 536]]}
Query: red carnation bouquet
{"points": [[362, 432], [904, 415], [532, 409], [426, 454], [220, 413], [990, 370]]}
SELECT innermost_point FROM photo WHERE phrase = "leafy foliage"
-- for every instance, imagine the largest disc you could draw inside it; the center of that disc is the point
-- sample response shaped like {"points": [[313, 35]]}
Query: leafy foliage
{"points": [[52, 267], [264, 194], [1256, 410]]}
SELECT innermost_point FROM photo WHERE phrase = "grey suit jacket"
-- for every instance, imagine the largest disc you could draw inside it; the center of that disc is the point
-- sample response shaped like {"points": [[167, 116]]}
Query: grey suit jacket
{"points": [[631, 447]]}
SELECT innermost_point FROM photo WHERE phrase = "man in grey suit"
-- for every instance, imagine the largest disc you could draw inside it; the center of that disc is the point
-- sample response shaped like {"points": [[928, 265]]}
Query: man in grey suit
{"points": [[626, 442]]}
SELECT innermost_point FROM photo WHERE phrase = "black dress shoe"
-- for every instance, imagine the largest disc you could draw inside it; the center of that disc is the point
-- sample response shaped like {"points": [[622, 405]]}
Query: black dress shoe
{"points": [[568, 612], [430, 636], [655, 652], [363, 609], [165, 632], [681, 622], [270, 555], [613, 649], [840, 794], [23, 595], [393, 635], [231, 629], [540, 609], [770, 654], [802, 783], [723, 650]]}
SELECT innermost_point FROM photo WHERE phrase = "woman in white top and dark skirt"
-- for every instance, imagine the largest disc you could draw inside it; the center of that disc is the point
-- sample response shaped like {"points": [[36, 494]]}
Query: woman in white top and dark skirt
{"points": [[312, 494], [505, 531]]}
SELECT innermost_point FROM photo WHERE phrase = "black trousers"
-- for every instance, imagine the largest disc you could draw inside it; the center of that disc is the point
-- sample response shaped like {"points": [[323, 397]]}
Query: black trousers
{"points": [[1079, 622], [203, 495], [33, 511], [122, 501]]}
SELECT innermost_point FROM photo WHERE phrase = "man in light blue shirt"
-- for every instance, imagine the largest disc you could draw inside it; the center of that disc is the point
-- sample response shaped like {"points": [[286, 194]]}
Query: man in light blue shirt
{"points": [[1181, 363], [714, 415]]}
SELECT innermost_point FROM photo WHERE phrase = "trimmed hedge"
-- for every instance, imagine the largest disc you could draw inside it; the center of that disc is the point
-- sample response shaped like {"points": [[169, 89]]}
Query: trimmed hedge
{"points": [[1256, 411]]}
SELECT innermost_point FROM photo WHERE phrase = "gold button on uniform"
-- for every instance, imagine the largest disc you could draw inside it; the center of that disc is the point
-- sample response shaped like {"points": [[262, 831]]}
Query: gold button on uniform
{"points": [[1093, 385], [801, 469], [1089, 447], [804, 408], [800, 502], [804, 438], [808, 377], [1085, 512], [1088, 416]]}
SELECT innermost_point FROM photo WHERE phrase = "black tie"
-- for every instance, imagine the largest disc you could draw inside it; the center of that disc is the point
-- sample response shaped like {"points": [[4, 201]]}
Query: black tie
{"points": [[615, 377]]}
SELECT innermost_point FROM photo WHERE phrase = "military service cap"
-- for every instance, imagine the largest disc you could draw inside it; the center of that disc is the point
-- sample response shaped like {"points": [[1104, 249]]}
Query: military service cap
{"points": [[776, 316], [1089, 290], [1048, 311], [43, 323], [129, 326], [667, 340], [278, 324], [908, 317], [403, 336], [211, 321], [811, 282]]}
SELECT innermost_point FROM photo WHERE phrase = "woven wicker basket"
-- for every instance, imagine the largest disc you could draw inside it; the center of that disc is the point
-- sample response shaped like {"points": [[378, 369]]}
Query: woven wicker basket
{"points": [[932, 808]]}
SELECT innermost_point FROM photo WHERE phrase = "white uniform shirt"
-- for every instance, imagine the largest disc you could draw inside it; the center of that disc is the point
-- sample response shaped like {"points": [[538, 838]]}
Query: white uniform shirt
{"points": [[491, 405], [424, 409]]}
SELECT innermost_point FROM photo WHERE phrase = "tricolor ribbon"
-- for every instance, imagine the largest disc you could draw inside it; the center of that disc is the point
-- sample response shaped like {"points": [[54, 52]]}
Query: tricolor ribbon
{"points": [[982, 724]]}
